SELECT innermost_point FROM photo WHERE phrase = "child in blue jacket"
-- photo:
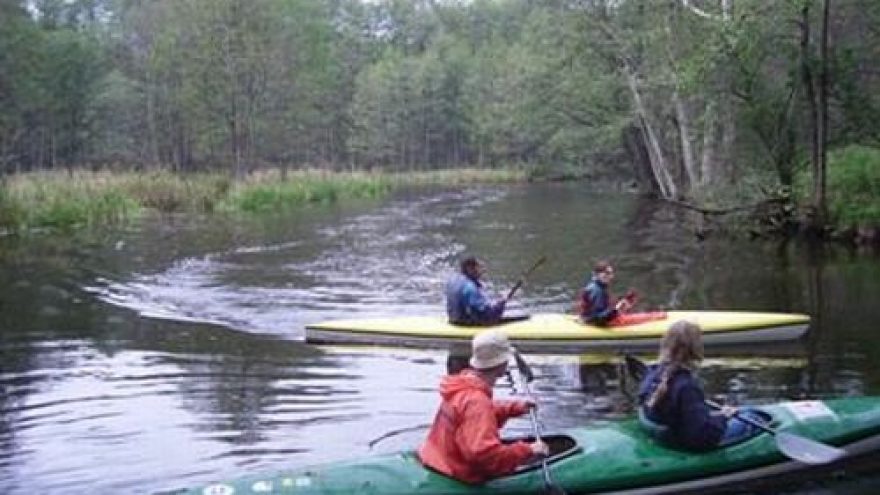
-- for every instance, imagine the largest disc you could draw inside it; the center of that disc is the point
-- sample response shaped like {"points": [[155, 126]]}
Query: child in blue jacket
{"points": [[672, 401]]}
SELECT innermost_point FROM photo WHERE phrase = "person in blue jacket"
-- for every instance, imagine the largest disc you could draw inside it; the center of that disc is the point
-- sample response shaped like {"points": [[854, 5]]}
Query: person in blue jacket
{"points": [[595, 304], [672, 403], [466, 300]]}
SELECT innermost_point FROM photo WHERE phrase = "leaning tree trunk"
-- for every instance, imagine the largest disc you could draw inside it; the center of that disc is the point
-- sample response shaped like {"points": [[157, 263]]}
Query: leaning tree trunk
{"points": [[659, 168], [634, 144], [684, 134], [658, 163], [683, 121], [707, 163]]}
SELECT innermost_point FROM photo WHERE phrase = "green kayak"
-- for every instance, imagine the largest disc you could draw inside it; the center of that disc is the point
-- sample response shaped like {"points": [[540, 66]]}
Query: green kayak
{"points": [[616, 457]]}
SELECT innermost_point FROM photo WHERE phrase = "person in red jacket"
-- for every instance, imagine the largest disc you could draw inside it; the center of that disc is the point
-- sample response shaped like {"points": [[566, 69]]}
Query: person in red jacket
{"points": [[464, 442]]}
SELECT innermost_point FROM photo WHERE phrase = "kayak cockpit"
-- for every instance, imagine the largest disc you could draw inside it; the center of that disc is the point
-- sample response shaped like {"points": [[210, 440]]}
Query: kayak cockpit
{"points": [[561, 446]]}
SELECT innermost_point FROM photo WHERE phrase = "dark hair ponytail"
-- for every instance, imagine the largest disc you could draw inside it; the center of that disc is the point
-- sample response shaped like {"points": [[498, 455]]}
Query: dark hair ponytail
{"points": [[663, 386]]}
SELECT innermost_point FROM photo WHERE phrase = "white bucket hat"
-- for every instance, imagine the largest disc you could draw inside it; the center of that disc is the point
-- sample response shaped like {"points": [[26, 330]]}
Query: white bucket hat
{"points": [[490, 349]]}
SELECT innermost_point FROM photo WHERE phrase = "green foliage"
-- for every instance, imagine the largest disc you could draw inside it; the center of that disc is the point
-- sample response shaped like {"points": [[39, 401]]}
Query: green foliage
{"points": [[261, 194], [11, 212], [48, 79], [61, 200], [167, 192], [70, 211], [853, 185]]}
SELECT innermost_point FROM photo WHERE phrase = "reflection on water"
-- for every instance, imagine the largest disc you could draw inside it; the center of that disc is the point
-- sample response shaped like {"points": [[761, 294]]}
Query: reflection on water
{"points": [[170, 354]]}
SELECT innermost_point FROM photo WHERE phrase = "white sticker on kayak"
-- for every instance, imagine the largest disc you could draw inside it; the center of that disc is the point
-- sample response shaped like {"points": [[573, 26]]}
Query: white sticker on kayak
{"points": [[262, 487], [218, 489], [806, 410]]}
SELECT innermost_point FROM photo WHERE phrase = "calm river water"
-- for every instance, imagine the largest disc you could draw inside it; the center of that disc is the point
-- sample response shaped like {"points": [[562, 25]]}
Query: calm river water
{"points": [[171, 353]]}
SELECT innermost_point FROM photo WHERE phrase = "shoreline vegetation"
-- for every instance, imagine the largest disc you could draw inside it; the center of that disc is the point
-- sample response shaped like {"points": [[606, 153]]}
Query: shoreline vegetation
{"points": [[68, 200], [763, 208]]}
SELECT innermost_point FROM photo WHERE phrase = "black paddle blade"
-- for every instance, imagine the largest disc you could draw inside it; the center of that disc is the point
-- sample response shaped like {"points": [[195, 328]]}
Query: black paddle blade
{"points": [[524, 369], [635, 367]]}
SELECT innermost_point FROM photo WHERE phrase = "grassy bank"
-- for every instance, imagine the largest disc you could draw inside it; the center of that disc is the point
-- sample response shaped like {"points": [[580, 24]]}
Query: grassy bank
{"points": [[63, 200], [853, 187]]}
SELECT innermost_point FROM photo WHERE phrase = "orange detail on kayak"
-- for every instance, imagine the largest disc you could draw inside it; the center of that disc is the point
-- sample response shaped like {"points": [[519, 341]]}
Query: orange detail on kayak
{"points": [[636, 318]]}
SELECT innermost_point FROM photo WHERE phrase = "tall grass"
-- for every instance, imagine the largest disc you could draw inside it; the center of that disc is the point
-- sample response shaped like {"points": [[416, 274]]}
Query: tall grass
{"points": [[65, 200], [48, 199], [268, 191], [168, 192], [460, 176]]}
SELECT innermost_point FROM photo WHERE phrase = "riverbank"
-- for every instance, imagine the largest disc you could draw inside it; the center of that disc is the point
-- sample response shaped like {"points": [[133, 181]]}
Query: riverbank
{"points": [[62, 200], [757, 208]]}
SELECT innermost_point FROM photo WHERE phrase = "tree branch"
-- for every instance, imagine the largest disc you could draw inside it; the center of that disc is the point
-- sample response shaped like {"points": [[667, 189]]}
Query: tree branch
{"points": [[698, 11], [723, 211]]}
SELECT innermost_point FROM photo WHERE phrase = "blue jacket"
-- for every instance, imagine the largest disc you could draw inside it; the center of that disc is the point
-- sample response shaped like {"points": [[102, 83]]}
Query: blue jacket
{"points": [[595, 303], [467, 304], [682, 409]]}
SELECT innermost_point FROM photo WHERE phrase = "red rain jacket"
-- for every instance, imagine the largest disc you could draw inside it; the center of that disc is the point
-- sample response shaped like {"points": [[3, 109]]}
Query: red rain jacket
{"points": [[464, 442]]}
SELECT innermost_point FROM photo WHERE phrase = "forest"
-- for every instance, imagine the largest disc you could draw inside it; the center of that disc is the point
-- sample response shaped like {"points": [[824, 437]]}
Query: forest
{"points": [[711, 103]]}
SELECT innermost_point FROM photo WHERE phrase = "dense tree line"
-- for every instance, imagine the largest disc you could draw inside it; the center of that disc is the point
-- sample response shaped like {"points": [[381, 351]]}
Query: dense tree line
{"points": [[695, 94]]}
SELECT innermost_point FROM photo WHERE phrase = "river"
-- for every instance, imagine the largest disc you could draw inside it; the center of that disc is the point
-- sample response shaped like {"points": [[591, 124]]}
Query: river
{"points": [[170, 353]]}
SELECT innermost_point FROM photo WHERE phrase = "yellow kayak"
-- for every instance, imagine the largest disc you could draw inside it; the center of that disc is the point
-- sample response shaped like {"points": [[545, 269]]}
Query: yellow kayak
{"points": [[561, 332]]}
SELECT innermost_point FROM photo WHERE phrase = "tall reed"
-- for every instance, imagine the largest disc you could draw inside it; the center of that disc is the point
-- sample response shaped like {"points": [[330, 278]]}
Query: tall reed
{"points": [[61, 200], [271, 190]]}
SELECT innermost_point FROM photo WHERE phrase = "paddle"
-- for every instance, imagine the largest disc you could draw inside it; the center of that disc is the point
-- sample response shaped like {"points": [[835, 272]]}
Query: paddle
{"points": [[392, 433], [527, 376], [540, 261], [796, 447]]}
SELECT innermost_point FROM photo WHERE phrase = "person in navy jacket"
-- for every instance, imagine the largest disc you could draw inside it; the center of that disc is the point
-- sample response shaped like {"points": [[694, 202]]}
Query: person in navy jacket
{"points": [[595, 304], [672, 402]]}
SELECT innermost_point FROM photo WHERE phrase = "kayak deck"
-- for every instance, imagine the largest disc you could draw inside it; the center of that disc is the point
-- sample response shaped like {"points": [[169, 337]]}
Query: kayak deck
{"points": [[561, 332], [615, 458]]}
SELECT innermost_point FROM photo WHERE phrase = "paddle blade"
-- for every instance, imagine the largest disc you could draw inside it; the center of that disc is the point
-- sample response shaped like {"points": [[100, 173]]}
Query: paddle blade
{"points": [[806, 450], [524, 369], [635, 367]]}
